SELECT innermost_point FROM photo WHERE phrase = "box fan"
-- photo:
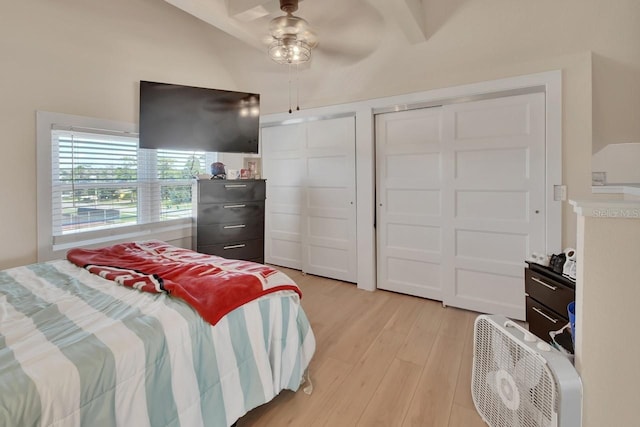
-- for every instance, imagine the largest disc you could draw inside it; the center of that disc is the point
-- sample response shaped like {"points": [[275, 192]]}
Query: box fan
{"points": [[519, 380]]}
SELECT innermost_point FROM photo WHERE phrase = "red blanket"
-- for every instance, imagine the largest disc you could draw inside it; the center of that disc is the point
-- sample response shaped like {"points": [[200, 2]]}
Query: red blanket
{"points": [[212, 285]]}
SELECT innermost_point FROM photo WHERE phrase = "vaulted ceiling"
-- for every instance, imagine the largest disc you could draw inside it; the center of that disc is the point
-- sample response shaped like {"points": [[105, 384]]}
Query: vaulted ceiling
{"points": [[348, 30], [377, 48], [359, 42]]}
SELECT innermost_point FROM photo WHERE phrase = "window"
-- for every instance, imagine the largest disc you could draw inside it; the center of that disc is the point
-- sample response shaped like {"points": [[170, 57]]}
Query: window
{"points": [[102, 188]]}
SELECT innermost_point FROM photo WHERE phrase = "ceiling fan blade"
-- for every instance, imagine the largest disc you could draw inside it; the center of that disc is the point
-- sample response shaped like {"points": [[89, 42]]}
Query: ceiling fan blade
{"points": [[343, 54], [351, 32]]}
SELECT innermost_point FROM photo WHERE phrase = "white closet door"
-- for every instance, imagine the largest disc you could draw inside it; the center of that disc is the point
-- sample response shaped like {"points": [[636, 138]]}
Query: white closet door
{"points": [[311, 213], [461, 201], [330, 248], [284, 167], [497, 185], [409, 199]]}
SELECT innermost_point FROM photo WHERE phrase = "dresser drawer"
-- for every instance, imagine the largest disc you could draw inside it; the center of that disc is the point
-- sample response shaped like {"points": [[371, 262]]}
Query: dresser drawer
{"points": [[542, 320], [249, 249], [549, 292], [217, 191], [230, 212], [231, 232]]}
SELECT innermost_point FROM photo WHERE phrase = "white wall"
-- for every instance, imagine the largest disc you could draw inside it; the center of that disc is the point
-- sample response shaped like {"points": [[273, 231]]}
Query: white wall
{"points": [[85, 58], [621, 162], [607, 295]]}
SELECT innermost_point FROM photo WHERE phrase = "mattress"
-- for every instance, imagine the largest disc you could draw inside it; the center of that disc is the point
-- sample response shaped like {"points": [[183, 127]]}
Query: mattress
{"points": [[77, 349]]}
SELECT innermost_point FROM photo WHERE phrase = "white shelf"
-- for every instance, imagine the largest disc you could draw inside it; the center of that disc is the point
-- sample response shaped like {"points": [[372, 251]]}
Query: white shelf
{"points": [[627, 189], [629, 209]]}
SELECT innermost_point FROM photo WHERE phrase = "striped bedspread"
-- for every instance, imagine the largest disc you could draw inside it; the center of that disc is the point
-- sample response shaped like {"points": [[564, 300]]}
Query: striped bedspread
{"points": [[77, 350]]}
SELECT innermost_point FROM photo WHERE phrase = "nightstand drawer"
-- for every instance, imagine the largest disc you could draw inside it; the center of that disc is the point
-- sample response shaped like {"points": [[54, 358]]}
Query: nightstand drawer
{"points": [[216, 191], [549, 292], [542, 320]]}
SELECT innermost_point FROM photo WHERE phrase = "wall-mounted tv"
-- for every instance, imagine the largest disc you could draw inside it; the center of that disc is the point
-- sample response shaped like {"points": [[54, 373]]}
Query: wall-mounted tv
{"points": [[192, 118]]}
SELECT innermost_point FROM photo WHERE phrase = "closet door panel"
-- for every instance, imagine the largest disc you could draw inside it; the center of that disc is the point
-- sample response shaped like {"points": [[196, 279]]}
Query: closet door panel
{"points": [[498, 188], [409, 201], [284, 168], [330, 209], [461, 201], [311, 212]]}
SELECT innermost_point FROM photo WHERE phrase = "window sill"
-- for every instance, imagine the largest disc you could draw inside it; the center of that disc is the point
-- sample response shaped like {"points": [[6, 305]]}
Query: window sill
{"points": [[175, 230]]}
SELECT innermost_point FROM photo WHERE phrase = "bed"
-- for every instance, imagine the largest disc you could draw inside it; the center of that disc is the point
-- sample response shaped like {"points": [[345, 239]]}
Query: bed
{"points": [[79, 349]]}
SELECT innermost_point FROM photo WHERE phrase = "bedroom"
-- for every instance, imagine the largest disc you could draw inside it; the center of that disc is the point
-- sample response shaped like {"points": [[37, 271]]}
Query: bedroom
{"points": [[86, 58]]}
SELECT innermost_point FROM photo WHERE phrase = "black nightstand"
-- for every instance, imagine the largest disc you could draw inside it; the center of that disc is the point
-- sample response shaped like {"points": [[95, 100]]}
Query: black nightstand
{"points": [[547, 294]]}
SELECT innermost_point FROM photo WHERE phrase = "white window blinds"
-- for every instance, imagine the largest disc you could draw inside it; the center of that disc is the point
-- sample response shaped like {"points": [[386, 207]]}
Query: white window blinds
{"points": [[101, 180]]}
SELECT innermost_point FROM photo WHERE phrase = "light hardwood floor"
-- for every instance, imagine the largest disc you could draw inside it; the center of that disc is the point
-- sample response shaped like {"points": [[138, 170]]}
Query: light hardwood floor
{"points": [[382, 359]]}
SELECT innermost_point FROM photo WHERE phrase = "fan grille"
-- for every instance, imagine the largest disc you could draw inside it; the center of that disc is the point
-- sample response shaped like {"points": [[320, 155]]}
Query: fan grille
{"points": [[495, 350]]}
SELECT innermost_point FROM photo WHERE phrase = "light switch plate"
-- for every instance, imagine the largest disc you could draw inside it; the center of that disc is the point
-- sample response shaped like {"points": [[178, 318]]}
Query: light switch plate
{"points": [[559, 193]]}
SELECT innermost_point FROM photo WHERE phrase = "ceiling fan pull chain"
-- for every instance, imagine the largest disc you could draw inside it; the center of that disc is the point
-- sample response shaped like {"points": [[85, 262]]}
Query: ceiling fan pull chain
{"points": [[297, 88], [289, 88]]}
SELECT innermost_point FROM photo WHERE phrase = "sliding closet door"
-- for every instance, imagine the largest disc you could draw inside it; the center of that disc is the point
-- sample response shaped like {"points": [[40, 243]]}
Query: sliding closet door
{"points": [[329, 206], [284, 167], [409, 202], [497, 187], [311, 213], [461, 201]]}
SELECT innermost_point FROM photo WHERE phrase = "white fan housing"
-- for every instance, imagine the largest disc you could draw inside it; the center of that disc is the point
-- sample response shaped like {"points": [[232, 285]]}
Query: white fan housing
{"points": [[519, 380]]}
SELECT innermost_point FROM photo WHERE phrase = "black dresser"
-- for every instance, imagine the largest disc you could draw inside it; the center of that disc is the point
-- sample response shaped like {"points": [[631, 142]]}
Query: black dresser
{"points": [[548, 294], [229, 218]]}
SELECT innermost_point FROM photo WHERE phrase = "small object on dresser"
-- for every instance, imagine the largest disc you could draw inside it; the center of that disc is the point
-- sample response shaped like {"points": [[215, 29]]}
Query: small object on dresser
{"points": [[569, 267], [557, 262], [218, 171], [233, 174], [540, 259]]}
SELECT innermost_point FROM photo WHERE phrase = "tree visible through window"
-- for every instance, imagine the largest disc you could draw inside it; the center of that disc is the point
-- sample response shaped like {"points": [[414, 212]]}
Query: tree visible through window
{"points": [[103, 180]]}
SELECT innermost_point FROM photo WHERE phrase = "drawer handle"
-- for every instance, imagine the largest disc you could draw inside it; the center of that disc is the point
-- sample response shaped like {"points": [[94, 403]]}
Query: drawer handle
{"points": [[234, 226], [234, 206], [234, 246], [535, 279], [537, 310], [235, 186]]}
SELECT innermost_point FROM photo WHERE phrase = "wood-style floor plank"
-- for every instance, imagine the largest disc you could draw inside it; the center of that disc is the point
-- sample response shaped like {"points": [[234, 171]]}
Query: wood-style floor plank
{"points": [[465, 417], [382, 359], [350, 401], [463, 388], [422, 333], [433, 399], [391, 400]]}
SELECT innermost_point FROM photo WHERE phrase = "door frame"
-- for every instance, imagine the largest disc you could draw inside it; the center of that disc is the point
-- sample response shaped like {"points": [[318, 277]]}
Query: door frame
{"points": [[549, 82]]}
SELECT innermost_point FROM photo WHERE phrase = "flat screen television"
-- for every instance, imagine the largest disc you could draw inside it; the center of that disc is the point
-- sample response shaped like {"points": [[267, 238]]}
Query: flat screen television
{"points": [[198, 119]]}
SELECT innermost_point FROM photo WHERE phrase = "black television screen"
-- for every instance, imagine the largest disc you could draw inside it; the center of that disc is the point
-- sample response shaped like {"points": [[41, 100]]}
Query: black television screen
{"points": [[193, 118]]}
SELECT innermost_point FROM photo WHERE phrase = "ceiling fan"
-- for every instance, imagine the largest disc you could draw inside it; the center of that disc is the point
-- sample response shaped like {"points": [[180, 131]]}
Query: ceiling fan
{"points": [[291, 36], [351, 33], [349, 30]]}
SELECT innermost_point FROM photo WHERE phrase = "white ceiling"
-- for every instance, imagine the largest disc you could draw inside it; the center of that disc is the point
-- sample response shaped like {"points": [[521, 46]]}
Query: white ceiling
{"points": [[348, 30]]}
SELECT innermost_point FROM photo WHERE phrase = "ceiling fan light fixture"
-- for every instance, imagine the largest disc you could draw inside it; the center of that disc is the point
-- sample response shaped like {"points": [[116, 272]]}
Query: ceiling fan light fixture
{"points": [[292, 38], [289, 50]]}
